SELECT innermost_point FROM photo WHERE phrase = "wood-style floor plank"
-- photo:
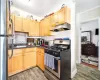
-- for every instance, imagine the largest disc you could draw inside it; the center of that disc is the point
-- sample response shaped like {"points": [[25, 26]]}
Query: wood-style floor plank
{"points": [[84, 73], [31, 74]]}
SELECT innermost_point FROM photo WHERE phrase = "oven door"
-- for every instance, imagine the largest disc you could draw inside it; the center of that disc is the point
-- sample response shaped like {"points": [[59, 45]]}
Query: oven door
{"points": [[53, 74]]}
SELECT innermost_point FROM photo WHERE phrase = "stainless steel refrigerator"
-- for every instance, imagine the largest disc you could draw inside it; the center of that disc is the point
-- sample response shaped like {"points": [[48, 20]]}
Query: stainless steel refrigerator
{"points": [[6, 30]]}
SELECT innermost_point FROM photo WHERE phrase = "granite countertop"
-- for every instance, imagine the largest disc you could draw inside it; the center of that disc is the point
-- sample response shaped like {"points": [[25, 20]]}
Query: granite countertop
{"points": [[26, 47]]}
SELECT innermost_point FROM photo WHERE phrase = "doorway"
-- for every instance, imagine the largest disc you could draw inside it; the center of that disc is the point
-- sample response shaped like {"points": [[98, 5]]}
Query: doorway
{"points": [[90, 43]]}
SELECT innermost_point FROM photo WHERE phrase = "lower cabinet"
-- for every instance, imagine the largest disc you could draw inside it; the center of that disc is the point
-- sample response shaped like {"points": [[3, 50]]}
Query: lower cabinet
{"points": [[17, 63], [9, 66], [40, 60], [29, 60], [24, 59]]}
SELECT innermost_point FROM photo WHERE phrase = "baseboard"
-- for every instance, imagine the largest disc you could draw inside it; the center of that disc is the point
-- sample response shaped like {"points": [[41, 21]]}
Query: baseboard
{"points": [[73, 73]]}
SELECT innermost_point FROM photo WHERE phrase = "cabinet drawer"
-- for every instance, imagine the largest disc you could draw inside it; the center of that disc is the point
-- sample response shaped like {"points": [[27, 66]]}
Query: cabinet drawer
{"points": [[28, 53], [29, 50], [15, 52], [40, 50]]}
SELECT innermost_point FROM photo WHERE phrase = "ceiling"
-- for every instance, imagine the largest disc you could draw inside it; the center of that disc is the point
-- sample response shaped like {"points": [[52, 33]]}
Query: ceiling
{"points": [[41, 8], [83, 5]]}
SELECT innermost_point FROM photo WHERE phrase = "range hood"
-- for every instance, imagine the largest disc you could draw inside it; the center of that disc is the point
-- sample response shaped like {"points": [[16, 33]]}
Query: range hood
{"points": [[62, 27]]}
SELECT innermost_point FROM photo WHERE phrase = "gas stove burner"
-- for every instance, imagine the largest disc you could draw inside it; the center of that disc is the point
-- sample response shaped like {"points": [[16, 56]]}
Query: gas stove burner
{"points": [[56, 50]]}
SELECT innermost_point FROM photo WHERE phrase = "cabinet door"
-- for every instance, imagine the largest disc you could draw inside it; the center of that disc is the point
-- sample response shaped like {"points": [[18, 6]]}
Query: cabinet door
{"points": [[9, 66], [67, 14], [45, 27], [61, 16], [29, 60], [48, 26], [26, 23], [18, 23], [42, 29], [42, 61], [17, 63], [37, 28], [32, 28], [55, 19], [38, 59]]}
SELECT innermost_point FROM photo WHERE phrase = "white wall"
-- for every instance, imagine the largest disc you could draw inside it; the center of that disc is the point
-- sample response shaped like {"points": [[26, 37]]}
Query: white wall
{"points": [[72, 35], [83, 5], [91, 26], [85, 16], [23, 13], [92, 13], [61, 34]]}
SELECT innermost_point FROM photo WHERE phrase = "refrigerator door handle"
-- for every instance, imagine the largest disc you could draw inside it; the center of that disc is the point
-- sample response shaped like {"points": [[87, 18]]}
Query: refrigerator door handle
{"points": [[12, 40], [10, 56]]}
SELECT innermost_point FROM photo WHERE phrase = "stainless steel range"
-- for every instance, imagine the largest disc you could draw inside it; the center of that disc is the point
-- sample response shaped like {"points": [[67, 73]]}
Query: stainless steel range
{"points": [[58, 60]]}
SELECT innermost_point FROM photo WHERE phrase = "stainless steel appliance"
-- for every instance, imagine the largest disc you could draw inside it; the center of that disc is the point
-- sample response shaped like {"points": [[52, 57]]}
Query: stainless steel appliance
{"points": [[6, 30], [62, 54], [62, 27]]}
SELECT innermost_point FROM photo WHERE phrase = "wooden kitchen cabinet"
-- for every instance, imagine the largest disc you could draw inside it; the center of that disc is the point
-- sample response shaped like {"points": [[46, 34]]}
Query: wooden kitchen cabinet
{"points": [[68, 15], [32, 28], [45, 26], [29, 60], [48, 26], [42, 28], [62, 16], [42, 61], [18, 23], [10, 66], [21, 60], [40, 58], [37, 28], [54, 19], [17, 61], [26, 24]]}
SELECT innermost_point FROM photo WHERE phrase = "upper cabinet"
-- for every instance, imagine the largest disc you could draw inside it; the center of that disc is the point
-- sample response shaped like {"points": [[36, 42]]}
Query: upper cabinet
{"points": [[26, 23], [62, 16], [31, 28], [54, 19], [37, 30], [45, 26], [34, 28], [68, 15], [18, 23], [48, 26], [42, 28]]}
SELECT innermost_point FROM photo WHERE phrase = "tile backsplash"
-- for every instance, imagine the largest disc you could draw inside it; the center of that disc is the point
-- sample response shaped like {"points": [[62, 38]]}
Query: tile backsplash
{"points": [[61, 34], [19, 38]]}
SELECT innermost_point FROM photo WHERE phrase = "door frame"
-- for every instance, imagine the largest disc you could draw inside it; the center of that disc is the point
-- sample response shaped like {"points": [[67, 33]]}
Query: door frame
{"points": [[98, 19]]}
